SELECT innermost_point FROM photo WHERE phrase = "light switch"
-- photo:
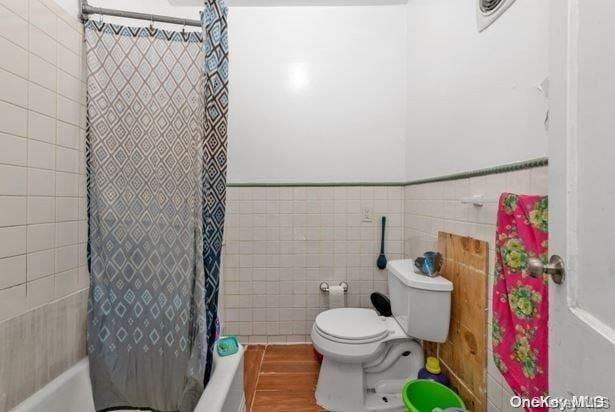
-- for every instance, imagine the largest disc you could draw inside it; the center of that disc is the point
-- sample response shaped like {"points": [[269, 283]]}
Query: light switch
{"points": [[367, 214]]}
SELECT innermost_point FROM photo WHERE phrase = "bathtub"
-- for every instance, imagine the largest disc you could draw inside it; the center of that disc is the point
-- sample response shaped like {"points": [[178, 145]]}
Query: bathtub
{"points": [[72, 392]]}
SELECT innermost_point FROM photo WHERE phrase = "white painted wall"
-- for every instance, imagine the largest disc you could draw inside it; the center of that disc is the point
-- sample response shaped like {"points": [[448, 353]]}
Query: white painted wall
{"points": [[473, 98], [317, 94]]}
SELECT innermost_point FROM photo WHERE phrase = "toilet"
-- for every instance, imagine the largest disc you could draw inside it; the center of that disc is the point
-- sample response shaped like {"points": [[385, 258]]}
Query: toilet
{"points": [[368, 358]]}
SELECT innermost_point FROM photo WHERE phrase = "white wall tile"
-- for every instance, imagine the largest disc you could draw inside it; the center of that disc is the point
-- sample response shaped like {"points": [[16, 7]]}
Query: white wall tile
{"points": [[40, 264], [67, 184], [66, 283], [41, 182], [539, 180], [69, 86], [67, 160], [43, 18], [13, 58], [66, 258], [43, 45], [69, 111], [41, 210], [67, 209], [68, 135], [29, 96], [41, 237], [41, 127], [40, 292], [67, 233], [12, 180], [13, 89], [13, 210], [282, 242], [42, 100], [14, 150], [70, 61], [12, 301], [68, 36], [13, 119], [43, 73], [12, 271], [12, 241], [19, 7], [41, 155], [13, 27]]}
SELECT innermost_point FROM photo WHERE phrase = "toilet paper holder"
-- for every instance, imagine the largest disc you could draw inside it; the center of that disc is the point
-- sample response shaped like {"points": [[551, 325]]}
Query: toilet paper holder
{"points": [[324, 287]]}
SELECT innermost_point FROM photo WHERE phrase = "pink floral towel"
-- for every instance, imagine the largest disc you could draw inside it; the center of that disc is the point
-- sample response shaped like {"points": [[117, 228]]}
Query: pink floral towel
{"points": [[521, 302]]}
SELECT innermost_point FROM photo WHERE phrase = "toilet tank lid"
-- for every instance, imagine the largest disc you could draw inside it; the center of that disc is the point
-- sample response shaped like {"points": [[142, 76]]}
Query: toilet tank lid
{"points": [[404, 271]]}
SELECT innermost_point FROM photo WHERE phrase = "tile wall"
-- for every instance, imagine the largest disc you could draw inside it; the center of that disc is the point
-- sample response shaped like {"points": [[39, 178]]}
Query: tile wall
{"points": [[42, 194], [281, 243], [434, 207]]}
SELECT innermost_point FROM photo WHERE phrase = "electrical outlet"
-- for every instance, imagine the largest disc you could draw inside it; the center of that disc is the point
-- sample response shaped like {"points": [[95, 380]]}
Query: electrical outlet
{"points": [[367, 215]]}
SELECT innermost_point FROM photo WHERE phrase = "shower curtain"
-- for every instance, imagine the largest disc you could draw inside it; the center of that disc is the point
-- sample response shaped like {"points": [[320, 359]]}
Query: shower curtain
{"points": [[149, 161], [215, 48]]}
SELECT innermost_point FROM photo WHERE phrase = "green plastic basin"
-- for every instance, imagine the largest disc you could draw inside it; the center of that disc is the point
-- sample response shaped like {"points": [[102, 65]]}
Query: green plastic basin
{"points": [[422, 395]]}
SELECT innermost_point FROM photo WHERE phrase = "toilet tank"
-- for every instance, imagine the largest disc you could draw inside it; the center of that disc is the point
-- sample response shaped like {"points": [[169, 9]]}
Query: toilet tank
{"points": [[420, 304]]}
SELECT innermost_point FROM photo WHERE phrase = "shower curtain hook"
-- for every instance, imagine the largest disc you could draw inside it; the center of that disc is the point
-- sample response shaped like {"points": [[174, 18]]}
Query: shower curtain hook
{"points": [[151, 22], [100, 16], [184, 30]]}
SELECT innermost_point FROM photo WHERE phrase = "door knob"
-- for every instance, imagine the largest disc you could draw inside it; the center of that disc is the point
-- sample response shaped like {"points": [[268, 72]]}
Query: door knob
{"points": [[555, 268]]}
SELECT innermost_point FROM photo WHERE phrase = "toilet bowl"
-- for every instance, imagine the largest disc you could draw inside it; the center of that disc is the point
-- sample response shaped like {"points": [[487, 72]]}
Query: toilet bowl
{"points": [[367, 358], [361, 369]]}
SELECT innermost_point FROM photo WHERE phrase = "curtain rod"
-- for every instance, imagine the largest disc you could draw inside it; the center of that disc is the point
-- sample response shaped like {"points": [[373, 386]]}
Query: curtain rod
{"points": [[86, 10]]}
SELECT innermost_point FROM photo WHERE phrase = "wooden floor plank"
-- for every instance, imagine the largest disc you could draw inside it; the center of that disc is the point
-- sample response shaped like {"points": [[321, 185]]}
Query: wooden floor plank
{"points": [[253, 358], [281, 378], [290, 367], [287, 382], [284, 401], [289, 353]]}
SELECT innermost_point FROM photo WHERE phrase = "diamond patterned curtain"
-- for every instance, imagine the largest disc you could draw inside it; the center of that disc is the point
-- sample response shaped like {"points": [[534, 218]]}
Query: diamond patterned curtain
{"points": [[215, 47], [146, 160]]}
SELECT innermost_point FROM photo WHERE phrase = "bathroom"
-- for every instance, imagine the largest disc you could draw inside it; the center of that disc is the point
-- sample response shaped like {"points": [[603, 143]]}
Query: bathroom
{"points": [[332, 115]]}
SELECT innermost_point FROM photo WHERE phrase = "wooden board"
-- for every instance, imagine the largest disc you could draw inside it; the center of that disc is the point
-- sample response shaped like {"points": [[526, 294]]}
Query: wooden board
{"points": [[464, 355]]}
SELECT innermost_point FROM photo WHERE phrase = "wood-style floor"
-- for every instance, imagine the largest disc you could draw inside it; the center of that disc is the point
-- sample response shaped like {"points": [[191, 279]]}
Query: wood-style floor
{"points": [[280, 378]]}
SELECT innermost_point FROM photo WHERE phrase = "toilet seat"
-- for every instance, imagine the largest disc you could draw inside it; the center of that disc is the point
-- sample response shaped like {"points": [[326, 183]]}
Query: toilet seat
{"points": [[351, 326], [353, 334]]}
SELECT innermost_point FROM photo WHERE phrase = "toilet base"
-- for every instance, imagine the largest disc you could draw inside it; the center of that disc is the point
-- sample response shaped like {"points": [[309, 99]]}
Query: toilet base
{"points": [[353, 387]]}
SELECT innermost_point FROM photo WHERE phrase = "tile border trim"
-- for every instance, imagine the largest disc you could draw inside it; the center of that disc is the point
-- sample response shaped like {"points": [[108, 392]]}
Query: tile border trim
{"points": [[506, 168]]}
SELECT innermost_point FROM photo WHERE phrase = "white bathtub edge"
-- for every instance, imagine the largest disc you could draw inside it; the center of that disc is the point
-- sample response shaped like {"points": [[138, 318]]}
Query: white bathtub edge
{"points": [[224, 393], [226, 378], [40, 397]]}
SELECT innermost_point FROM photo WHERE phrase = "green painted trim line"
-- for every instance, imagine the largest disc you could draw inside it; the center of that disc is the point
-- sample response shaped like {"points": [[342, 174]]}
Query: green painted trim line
{"points": [[324, 184], [507, 168]]}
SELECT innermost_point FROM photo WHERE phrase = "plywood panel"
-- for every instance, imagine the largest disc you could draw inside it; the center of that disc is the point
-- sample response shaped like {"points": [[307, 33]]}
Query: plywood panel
{"points": [[464, 355]]}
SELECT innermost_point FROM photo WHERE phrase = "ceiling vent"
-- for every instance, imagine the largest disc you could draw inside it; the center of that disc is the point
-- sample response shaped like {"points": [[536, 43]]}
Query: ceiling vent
{"points": [[489, 10]]}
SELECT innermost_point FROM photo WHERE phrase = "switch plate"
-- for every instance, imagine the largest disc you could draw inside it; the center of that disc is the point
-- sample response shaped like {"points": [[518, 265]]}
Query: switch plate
{"points": [[367, 215]]}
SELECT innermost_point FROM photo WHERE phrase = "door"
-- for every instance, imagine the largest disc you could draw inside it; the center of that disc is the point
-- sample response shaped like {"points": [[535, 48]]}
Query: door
{"points": [[582, 197]]}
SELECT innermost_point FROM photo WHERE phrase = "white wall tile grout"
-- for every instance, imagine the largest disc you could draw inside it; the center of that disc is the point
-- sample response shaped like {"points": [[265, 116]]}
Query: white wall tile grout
{"points": [[40, 170]]}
